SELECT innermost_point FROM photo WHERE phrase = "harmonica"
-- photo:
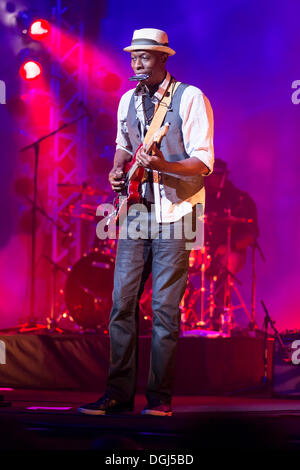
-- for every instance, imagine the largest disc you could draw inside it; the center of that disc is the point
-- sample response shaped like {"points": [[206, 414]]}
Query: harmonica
{"points": [[139, 78]]}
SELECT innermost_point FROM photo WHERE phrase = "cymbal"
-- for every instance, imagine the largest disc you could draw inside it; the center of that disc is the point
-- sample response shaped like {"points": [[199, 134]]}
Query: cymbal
{"points": [[75, 215], [89, 207], [80, 211], [84, 188], [229, 219]]}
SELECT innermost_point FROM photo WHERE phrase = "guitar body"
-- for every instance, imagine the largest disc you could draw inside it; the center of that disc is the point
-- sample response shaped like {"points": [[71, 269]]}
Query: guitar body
{"points": [[133, 188], [133, 185]]}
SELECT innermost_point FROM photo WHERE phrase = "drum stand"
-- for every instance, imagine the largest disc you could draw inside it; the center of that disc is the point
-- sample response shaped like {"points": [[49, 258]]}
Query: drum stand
{"points": [[52, 320], [227, 318], [252, 323], [211, 301], [255, 246], [192, 295], [231, 285], [202, 251]]}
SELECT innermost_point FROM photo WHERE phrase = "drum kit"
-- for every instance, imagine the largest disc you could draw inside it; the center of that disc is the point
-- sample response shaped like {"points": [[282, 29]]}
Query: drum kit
{"points": [[88, 284], [209, 306]]}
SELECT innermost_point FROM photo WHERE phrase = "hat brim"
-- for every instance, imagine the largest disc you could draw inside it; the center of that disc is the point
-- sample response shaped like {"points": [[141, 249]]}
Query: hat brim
{"points": [[140, 47]]}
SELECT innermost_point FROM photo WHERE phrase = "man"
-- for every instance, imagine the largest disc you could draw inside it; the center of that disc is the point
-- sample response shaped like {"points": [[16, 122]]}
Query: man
{"points": [[185, 155]]}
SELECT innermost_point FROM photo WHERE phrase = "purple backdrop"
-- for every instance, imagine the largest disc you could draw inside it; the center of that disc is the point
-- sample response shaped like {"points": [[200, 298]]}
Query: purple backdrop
{"points": [[244, 56]]}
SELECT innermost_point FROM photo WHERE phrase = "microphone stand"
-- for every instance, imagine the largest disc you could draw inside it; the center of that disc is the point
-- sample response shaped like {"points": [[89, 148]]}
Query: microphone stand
{"points": [[268, 321], [265, 384], [25, 327], [36, 146]]}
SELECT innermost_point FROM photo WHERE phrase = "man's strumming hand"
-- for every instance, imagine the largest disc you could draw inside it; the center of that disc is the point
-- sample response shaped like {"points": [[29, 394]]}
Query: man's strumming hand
{"points": [[152, 162]]}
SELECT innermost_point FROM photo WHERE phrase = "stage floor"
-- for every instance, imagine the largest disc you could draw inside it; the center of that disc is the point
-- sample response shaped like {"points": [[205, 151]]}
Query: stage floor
{"points": [[48, 420]]}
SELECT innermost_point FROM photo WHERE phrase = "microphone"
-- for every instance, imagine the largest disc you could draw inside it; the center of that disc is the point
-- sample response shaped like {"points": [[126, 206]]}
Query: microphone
{"points": [[139, 78], [83, 106]]}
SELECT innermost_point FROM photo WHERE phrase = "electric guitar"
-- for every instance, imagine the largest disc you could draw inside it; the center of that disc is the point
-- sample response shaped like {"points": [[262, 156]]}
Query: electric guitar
{"points": [[134, 176]]}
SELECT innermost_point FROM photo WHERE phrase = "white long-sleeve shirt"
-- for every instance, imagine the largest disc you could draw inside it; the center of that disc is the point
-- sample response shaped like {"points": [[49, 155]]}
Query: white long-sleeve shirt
{"points": [[197, 131]]}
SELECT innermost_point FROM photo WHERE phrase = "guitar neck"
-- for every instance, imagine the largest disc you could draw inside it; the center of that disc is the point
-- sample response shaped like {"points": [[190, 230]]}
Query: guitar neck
{"points": [[155, 139], [132, 171]]}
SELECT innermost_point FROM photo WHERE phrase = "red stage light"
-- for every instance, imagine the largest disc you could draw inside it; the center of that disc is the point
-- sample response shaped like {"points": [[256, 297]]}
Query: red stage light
{"points": [[30, 70], [39, 29]]}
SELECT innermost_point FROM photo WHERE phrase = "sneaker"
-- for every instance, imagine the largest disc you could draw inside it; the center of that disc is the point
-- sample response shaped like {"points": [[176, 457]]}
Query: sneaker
{"points": [[106, 405], [164, 409]]}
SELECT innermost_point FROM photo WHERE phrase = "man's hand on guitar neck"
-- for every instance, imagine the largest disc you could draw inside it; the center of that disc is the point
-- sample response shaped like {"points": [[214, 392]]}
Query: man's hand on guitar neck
{"points": [[152, 162], [116, 179]]}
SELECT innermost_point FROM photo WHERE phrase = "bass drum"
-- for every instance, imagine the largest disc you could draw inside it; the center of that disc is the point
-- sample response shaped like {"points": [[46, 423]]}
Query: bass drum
{"points": [[88, 290]]}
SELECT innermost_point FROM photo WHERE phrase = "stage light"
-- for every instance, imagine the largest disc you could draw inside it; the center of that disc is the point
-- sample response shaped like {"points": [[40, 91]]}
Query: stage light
{"points": [[30, 70], [33, 61], [39, 29]]}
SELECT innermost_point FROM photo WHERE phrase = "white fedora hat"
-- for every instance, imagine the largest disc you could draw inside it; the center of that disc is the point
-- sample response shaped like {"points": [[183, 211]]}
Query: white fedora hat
{"points": [[150, 39]]}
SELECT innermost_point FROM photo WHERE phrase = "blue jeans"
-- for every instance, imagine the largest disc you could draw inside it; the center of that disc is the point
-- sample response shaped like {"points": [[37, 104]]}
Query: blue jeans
{"points": [[167, 259]]}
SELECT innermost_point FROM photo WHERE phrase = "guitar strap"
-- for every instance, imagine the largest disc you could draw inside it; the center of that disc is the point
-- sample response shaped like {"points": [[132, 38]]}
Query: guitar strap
{"points": [[159, 117], [161, 111]]}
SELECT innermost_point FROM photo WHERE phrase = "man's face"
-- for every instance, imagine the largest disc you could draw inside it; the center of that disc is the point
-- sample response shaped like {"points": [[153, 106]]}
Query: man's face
{"points": [[150, 62]]}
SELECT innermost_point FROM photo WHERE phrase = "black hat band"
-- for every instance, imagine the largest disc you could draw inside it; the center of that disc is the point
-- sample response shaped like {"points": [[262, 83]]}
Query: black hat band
{"points": [[148, 42]]}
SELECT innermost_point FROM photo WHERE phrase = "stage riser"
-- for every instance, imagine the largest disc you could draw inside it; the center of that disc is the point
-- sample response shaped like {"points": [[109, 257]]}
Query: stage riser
{"points": [[286, 371], [80, 362]]}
